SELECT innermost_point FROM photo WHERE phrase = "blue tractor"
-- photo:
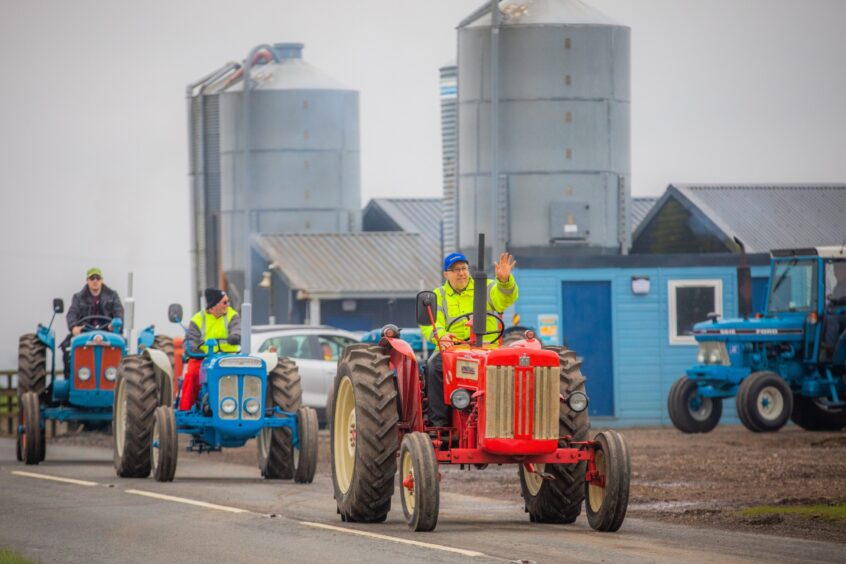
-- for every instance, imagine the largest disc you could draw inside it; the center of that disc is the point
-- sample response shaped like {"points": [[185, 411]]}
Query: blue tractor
{"points": [[241, 397], [82, 396], [779, 364]]}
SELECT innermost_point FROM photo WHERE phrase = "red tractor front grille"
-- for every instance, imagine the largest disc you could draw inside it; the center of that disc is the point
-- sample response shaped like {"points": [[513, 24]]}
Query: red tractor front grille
{"points": [[522, 403]]}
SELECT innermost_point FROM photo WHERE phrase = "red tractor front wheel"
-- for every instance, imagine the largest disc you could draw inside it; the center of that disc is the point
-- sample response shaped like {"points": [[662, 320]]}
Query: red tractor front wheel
{"points": [[607, 490], [419, 482]]}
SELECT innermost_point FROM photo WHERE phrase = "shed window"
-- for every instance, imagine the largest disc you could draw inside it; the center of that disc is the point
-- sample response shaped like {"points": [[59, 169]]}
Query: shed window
{"points": [[690, 302]]}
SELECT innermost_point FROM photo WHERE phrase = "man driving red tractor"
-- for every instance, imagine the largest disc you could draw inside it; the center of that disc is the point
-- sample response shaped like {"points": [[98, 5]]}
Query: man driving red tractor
{"points": [[455, 299]]}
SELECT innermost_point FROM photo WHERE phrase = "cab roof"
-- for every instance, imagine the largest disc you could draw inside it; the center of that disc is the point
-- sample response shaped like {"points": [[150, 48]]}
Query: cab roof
{"points": [[832, 252]]}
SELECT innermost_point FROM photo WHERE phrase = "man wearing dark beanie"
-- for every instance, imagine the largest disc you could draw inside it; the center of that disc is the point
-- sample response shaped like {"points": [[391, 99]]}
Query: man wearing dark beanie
{"points": [[218, 321]]}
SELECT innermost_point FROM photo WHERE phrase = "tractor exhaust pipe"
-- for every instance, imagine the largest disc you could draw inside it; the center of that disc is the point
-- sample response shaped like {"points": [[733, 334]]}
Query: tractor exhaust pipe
{"points": [[744, 283], [480, 283]]}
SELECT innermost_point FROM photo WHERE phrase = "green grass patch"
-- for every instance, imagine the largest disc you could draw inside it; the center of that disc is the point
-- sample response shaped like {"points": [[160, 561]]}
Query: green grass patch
{"points": [[827, 512], [11, 557]]}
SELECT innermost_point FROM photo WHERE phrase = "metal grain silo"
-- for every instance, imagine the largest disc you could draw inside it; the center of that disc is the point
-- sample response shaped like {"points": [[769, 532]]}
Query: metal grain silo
{"points": [[301, 163], [561, 150]]}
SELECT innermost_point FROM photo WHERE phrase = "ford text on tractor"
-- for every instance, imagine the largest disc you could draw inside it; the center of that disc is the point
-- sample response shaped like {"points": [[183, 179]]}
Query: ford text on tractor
{"points": [[85, 393], [521, 404], [779, 364], [241, 397]]}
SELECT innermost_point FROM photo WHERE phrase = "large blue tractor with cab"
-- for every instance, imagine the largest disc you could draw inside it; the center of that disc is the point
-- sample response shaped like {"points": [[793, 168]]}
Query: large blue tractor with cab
{"points": [[82, 396], [779, 363], [241, 397]]}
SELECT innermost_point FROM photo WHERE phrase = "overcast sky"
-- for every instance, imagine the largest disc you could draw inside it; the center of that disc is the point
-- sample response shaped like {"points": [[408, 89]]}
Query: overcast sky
{"points": [[93, 142]]}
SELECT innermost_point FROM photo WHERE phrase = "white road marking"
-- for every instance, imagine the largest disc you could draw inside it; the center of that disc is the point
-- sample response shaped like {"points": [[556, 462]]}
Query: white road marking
{"points": [[461, 551], [187, 501], [54, 478]]}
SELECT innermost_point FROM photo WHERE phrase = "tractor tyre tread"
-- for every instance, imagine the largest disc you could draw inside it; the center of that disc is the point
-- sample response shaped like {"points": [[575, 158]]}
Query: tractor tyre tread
{"points": [[615, 502], [165, 419], [560, 500], [164, 343], [678, 409], [747, 402], [286, 392], [424, 516], [137, 374], [32, 364], [368, 498], [307, 431], [811, 417], [31, 419]]}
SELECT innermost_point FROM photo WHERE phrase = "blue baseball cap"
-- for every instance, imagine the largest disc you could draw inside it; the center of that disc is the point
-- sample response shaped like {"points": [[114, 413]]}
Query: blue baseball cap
{"points": [[453, 258]]}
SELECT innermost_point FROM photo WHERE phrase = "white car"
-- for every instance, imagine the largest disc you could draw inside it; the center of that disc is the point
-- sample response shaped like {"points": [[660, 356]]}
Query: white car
{"points": [[314, 348]]}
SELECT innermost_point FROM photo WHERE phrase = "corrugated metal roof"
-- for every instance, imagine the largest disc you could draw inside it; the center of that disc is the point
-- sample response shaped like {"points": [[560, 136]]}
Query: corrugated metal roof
{"points": [[772, 216], [641, 207], [414, 215], [354, 265]]}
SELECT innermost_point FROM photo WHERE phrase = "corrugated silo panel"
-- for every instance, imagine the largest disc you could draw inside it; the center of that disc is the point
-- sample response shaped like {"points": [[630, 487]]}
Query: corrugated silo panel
{"points": [[563, 118]]}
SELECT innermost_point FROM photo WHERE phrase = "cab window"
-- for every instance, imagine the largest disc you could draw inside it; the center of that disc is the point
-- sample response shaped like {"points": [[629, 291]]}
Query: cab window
{"points": [[794, 286]]}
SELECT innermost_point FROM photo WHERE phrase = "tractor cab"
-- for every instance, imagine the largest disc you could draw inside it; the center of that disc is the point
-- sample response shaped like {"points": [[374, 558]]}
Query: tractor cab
{"points": [[776, 362]]}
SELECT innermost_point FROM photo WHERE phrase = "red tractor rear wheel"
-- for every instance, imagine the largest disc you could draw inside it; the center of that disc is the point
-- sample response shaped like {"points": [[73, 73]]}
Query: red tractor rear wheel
{"points": [[560, 500], [364, 434]]}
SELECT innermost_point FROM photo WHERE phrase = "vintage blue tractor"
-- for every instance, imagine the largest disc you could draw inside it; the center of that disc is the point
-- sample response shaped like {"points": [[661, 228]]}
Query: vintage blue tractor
{"points": [[779, 363], [85, 394], [241, 397]]}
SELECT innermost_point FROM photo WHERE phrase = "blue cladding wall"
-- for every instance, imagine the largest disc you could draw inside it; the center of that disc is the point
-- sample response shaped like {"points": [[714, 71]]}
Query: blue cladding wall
{"points": [[645, 364]]}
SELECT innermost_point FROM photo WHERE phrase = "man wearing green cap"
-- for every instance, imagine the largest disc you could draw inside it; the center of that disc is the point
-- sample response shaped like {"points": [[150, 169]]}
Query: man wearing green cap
{"points": [[95, 299]]}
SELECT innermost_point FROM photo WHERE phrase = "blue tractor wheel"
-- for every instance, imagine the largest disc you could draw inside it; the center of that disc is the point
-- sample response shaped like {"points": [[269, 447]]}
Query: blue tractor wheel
{"points": [[691, 412], [275, 445], [305, 456], [165, 448], [32, 364], [136, 398], [29, 432], [813, 414], [764, 402]]}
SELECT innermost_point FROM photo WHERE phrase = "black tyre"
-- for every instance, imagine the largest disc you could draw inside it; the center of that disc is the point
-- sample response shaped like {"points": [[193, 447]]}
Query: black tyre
{"points": [[32, 365], [513, 334], [274, 445], [764, 402], [164, 343], [164, 447], [364, 434], [560, 500], [305, 457], [30, 436], [690, 412], [133, 415], [812, 414], [418, 479], [606, 503], [42, 454]]}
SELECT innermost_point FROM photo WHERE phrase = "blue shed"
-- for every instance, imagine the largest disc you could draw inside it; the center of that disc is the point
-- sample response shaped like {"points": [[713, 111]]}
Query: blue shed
{"points": [[630, 318]]}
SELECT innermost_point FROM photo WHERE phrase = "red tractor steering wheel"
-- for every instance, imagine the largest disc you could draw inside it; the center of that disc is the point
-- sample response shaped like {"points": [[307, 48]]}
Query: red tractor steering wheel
{"points": [[497, 332]]}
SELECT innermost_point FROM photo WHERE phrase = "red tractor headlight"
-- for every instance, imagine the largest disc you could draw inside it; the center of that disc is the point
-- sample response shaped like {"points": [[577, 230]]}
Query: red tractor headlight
{"points": [[577, 401], [460, 398]]}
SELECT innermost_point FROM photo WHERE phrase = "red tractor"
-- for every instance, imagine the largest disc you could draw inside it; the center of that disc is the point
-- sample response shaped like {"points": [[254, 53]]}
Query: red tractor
{"points": [[520, 404]]}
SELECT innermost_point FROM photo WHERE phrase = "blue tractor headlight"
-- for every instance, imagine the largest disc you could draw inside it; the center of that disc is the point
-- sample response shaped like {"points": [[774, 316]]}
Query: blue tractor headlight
{"points": [[460, 398], [252, 406], [111, 373], [700, 357], [577, 401], [715, 357], [228, 406], [84, 373]]}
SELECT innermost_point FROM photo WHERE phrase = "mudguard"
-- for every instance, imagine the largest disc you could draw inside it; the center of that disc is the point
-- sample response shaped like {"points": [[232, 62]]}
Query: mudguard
{"points": [[270, 359], [160, 361]]}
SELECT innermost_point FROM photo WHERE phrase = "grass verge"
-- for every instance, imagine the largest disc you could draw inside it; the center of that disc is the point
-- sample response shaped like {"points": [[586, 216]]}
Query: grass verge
{"points": [[828, 512]]}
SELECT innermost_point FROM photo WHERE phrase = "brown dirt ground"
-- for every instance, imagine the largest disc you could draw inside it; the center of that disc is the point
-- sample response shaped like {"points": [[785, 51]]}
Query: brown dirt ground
{"points": [[701, 480]]}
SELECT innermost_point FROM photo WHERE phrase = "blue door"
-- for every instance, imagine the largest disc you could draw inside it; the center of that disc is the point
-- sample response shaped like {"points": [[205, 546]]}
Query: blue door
{"points": [[586, 328]]}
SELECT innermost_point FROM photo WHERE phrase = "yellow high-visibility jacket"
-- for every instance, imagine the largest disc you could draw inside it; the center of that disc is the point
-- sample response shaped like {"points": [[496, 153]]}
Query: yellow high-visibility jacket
{"points": [[453, 304], [205, 326]]}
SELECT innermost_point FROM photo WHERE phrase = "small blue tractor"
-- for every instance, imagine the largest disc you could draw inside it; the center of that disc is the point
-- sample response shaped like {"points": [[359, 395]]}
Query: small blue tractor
{"points": [[778, 364], [83, 395], [241, 397]]}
